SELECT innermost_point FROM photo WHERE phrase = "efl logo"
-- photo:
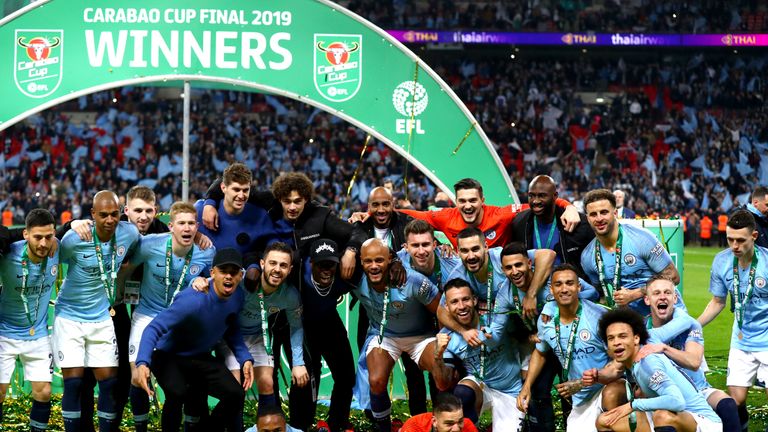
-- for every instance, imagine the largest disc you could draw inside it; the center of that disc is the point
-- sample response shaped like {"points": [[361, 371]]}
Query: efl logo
{"points": [[38, 59], [410, 99], [338, 70]]}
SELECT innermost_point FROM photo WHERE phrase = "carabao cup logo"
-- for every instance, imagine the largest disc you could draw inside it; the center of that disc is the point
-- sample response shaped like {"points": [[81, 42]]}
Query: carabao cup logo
{"points": [[338, 65], [38, 59], [410, 98]]}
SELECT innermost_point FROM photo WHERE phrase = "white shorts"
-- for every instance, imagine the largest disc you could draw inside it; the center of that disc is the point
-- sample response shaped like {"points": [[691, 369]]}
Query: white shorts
{"points": [[703, 424], [395, 346], [84, 344], [503, 407], [138, 324], [744, 366], [583, 417], [35, 356], [255, 345], [707, 392]]}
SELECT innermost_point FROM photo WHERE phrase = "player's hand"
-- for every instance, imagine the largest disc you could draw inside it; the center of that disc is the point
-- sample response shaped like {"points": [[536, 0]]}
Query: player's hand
{"points": [[83, 229], [618, 413], [472, 337], [649, 349], [358, 217], [142, 379], [299, 376], [534, 338], [570, 218], [569, 388], [200, 284], [247, 375], [348, 262], [446, 250], [202, 241], [545, 318], [530, 311], [397, 273], [211, 217], [589, 377], [624, 297], [441, 343], [523, 398]]}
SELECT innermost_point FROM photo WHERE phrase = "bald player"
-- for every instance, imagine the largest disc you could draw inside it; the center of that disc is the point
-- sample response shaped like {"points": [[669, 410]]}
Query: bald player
{"points": [[401, 320], [83, 334], [541, 227]]}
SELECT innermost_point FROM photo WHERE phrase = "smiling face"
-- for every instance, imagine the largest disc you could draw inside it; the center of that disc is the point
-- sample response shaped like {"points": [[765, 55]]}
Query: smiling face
{"points": [[293, 206], [183, 229], [470, 204], [460, 303], [226, 278], [276, 266], [448, 421], [541, 198], [565, 287], [235, 196], [140, 213], [661, 297], [517, 267], [323, 272], [106, 215], [421, 248], [380, 206], [473, 252], [621, 341], [374, 256], [601, 216]]}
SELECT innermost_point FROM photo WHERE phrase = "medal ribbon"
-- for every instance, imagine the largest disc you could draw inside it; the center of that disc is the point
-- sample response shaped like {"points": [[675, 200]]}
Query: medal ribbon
{"points": [[741, 304], [264, 324], [168, 261], [384, 316], [608, 288], [489, 291], [630, 397], [25, 279], [549, 237], [568, 353], [109, 286], [519, 305]]}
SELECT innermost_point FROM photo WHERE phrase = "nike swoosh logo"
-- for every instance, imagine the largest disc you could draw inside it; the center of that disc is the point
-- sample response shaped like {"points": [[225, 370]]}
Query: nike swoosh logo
{"points": [[159, 265], [88, 256]]}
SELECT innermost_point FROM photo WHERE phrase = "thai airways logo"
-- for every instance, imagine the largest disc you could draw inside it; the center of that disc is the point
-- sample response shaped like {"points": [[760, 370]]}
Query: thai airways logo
{"points": [[38, 59], [338, 70], [410, 99]]}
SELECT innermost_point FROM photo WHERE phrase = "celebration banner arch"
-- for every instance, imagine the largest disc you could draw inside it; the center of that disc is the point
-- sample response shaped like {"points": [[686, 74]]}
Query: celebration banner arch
{"points": [[313, 51]]}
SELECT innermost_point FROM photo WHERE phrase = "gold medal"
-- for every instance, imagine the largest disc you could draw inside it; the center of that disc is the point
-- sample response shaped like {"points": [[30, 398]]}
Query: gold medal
{"points": [[112, 312], [31, 332], [741, 335]]}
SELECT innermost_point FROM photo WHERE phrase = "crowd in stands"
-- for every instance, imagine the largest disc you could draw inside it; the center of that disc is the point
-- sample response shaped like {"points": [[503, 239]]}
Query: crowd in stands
{"points": [[680, 134], [675, 16]]}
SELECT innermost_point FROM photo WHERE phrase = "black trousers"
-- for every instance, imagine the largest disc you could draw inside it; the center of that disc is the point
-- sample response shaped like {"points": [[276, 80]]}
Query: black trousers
{"points": [[541, 396], [325, 339], [187, 379], [122, 323]]}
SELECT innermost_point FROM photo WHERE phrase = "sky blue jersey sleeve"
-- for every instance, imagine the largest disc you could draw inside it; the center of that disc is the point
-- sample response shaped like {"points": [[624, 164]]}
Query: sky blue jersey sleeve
{"points": [[680, 323], [652, 373]]}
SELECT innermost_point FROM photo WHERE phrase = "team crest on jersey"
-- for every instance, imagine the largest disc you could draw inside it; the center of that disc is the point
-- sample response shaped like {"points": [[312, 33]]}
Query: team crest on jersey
{"points": [[490, 234], [132, 349], [273, 309], [657, 378], [54, 270], [398, 304], [121, 250], [585, 335], [760, 282], [61, 356], [630, 259], [194, 269]]}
